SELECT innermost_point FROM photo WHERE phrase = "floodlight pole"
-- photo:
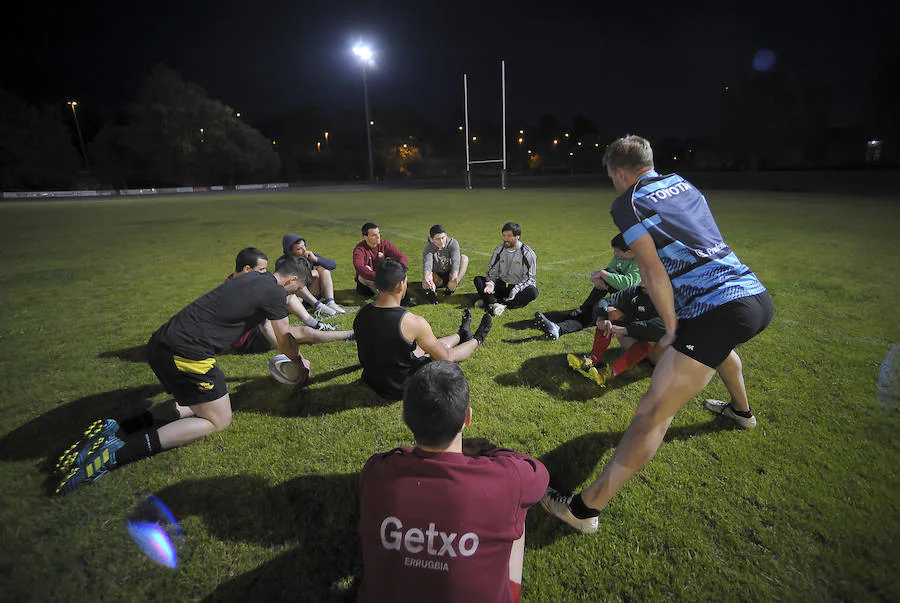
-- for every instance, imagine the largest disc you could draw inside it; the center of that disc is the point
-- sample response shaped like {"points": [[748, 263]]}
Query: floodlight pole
{"points": [[466, 109], [368, 125], [504, 172], [80, 139]]}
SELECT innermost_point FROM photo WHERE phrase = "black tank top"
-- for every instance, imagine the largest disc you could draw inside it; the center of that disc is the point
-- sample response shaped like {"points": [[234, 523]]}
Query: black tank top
{"points": [[386, 357]]}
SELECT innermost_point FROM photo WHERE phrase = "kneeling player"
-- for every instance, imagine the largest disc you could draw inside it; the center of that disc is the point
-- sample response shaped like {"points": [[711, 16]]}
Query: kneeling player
{"points": [[182, 354]]}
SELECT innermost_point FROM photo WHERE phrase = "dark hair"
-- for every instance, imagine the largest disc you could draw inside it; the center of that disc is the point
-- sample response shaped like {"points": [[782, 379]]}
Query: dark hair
{"points": [[388, 274], [435, 400], [290, 265], [618, 242], [367, 227], [435, 230], [629, 153], [515, 228], [248, 256]]}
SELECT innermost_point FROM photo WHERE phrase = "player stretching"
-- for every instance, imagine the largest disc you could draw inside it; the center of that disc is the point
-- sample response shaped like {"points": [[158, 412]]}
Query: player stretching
{"points": [[709, 301]]}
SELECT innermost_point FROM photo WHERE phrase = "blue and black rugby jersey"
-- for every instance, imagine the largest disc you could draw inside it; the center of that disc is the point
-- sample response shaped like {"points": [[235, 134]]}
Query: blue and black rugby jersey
{"points": [[704, 271]]}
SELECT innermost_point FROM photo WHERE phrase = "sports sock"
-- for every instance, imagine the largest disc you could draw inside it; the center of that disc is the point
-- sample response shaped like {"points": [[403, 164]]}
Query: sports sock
{"points": [[483, 328], [134, 424], [569, 325], [139, 446], [465, 327], [328, 300], [516, 590], [581, 510], [601, 342], [311, 322], [637, 352]]}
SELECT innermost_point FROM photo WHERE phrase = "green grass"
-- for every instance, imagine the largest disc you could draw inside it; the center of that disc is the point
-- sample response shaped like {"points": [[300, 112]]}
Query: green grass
{"points": [[802, 508]]}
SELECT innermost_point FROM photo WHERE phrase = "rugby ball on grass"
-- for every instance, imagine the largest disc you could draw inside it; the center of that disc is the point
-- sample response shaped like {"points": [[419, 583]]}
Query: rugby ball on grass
{"points": [[286, 370]]}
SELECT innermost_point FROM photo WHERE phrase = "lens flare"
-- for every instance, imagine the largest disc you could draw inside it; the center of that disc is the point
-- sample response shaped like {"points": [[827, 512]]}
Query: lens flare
{"points": [[764, 60], [155, 530]]}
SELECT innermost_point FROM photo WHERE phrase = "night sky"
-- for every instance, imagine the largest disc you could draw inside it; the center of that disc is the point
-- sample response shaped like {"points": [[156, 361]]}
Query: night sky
{"points": [[654, 68]]}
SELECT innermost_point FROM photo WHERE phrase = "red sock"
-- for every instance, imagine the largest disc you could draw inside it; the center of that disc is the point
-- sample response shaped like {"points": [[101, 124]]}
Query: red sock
{"points": [[516, 589], [634, 354], [601, 342]]}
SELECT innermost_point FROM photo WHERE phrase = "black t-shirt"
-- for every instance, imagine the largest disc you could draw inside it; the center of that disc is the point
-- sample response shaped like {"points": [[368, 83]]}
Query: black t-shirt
{"points": [[209, 324], [386, 357]]}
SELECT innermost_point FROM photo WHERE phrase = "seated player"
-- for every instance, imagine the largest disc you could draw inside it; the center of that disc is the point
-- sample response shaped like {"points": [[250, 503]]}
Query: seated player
{"points": [[621, 273], [261, 338], [510, 281], [442, 263], [182, 354], [392, 342], [445, 520], [322, 284], [370, 252], [630, 317]]}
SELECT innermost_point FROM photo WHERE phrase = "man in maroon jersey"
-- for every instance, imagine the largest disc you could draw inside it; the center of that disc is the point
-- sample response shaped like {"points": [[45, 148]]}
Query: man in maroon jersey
{"points": [[445, 521], [370, 252]]}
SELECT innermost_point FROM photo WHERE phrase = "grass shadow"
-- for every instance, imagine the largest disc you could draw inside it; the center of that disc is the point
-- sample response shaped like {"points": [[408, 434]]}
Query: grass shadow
{"points": [[48, 435], [136, 353], [571, 463], [265, 395], [315, 512], [351, 297], [553, 375]]}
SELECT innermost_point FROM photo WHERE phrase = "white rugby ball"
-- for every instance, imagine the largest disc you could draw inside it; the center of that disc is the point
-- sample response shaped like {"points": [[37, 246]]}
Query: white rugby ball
{"points": [[286, 370]]}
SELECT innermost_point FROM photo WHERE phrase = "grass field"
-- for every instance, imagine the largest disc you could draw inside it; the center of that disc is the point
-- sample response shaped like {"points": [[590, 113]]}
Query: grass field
{"points": [[804, 508]]}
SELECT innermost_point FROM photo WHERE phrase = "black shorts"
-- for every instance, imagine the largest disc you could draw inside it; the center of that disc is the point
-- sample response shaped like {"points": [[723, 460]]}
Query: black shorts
{"points": [[444, 276], [710, 337], [189, 381], [253, 342]]}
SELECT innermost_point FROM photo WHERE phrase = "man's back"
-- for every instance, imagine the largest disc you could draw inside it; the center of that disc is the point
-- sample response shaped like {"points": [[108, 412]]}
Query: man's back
{"points": [[704, 271], [385, 355], [209, 324], [439, 526]]}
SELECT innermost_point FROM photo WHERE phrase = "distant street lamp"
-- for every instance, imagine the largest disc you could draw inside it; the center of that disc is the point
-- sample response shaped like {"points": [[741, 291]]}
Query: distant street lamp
{"points": [[80, 139], [365, 54]]}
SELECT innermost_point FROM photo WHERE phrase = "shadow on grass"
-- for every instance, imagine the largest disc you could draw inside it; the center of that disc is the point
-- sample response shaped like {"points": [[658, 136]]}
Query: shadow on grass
{"points": [[267, 396], [317, 513], [351, 297], [573, 462], [48, 435], [553, 375], [136, 353]]}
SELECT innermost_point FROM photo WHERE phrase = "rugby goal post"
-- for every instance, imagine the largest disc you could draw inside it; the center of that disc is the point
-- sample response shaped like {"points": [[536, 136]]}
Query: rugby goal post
{"points": [[469, 161]]}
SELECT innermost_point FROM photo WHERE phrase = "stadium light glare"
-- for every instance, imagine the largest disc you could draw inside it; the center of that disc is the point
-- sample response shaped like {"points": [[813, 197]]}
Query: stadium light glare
{"points": [[365, 55]]}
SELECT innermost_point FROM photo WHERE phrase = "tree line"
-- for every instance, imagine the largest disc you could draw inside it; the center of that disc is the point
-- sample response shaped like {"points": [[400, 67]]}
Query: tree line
{"points": [[173, 134]]}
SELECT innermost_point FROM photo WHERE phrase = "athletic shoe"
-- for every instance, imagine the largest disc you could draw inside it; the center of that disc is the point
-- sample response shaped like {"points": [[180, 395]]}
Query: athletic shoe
{"points": [[78, 451], [578, 362], [721, 408], [583, 367], [478, 303], [408, 302], [321, 326], [557, 504], [448, 292], [336, 307], [483, 329], [465, 327], [431, 297], [99, 460], [497, 309], [550, 328], [324, 310]]}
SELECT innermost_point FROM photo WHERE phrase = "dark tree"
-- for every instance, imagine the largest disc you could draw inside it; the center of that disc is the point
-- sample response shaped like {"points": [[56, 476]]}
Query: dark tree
{"points": [[36, 148], [174, 134]]}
